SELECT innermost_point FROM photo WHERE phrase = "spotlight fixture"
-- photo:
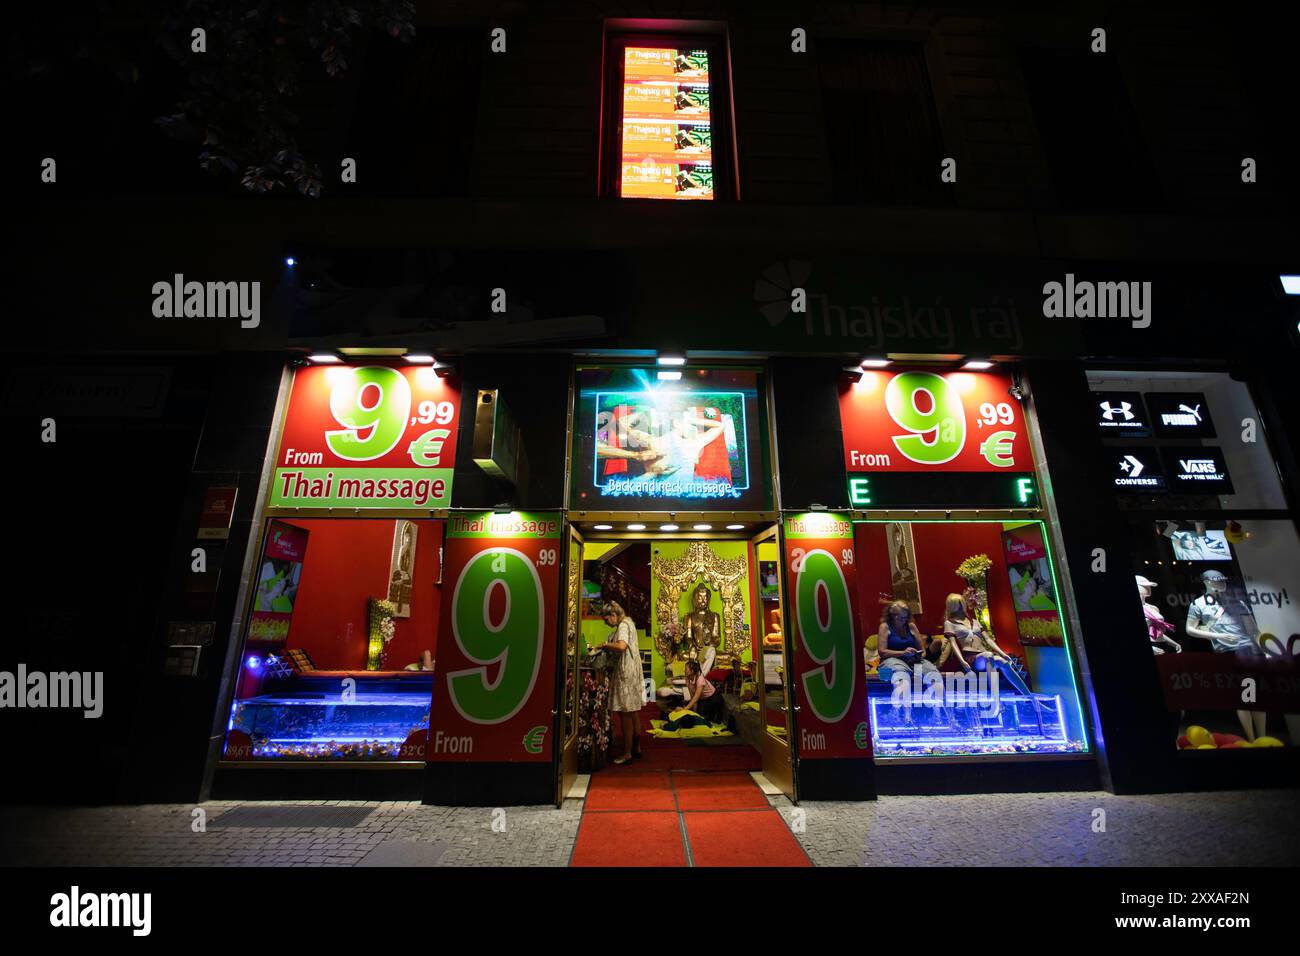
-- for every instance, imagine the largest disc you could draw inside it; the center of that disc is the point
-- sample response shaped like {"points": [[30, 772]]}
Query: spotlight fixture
{"points": [[602, 527], [735, 527], [977, 365], [420, 358], [324, 358], [668, 527], [875, 362], [1290, 284], [664, 376], [636, 527], [853, 373], [816, 506], [671, 358], [443, 369], [702, 527], [502, 508]]}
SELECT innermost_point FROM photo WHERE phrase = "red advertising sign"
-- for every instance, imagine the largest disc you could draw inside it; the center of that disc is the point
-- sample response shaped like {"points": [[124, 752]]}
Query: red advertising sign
{"points": [[278, 577], [494, 694], [829, 671], [1210, 681], [933, 420], [367, 436]]}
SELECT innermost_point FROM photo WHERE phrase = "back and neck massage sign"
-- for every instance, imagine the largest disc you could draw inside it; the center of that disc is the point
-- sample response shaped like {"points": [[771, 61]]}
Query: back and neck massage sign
{"points": [[369, 436]]}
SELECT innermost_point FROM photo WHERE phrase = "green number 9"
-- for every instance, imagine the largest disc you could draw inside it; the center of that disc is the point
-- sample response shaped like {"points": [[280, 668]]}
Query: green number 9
{"points": [[828, 688], [389, 395], [514, 643], [946, 419]]}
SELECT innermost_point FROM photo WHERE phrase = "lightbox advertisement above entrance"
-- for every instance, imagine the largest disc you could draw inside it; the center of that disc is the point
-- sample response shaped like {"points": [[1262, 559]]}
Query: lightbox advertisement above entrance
{"points": [[936, 437], [646, 443], [368, 436]]}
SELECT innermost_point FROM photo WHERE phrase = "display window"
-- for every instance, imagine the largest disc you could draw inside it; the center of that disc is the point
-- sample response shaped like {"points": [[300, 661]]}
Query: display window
{"points": [[967, 650], [1218, 599], [340, 647], [666, 116]]}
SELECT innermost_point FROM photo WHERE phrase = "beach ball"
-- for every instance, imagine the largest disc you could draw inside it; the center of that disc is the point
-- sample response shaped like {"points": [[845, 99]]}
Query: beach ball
{"points": [[1268, 742], [1198, 736]]}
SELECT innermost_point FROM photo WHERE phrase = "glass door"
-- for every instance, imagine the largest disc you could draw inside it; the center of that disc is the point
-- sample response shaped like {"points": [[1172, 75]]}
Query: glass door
{"points": [[771, 673], [570, 685]]}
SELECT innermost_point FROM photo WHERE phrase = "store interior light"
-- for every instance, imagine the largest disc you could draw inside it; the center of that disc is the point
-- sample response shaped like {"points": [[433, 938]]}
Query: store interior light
{"points": [[420, 358], [665, 376], [875, 362], [668, 527], [603, 527], [636, 527], [735, 527], [703, 527], [977, 365], [1290, 284], [671, 359], [324, 358]]}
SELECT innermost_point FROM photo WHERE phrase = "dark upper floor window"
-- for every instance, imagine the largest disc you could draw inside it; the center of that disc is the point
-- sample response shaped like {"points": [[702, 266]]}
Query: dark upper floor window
{"points": [[1092, 142], [667, 110], [882, 129]]}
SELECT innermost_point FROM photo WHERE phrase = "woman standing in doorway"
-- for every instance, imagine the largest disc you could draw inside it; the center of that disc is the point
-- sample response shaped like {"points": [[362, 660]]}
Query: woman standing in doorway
{"points": [[627, 687]]}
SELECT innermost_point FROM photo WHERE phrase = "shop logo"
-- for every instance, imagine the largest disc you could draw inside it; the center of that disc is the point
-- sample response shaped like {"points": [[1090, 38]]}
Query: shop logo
{"points": [[1185, 417], [1125, 411], [1131, 466], [1198, 466]]}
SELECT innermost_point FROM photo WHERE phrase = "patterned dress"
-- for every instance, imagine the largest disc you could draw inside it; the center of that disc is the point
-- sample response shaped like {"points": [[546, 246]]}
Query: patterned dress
{"points": [[627, 686]]}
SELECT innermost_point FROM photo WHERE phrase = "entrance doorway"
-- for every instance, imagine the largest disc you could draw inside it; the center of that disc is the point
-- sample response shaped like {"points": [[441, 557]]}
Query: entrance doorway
{"points": [[704, 599]]}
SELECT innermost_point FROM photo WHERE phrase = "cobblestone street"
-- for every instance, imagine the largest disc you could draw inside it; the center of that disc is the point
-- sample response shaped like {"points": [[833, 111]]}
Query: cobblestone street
{"points": [[1227, 828]]}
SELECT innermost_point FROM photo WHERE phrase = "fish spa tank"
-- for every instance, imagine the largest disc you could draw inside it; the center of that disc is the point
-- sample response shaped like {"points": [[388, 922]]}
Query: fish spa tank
{"points": [[317, 716], [967, 723]]}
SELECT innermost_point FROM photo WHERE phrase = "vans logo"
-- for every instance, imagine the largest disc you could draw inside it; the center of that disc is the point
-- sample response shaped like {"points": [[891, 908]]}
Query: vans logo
{"points": [[179, 299], [1198, 466], [1098, 300]]}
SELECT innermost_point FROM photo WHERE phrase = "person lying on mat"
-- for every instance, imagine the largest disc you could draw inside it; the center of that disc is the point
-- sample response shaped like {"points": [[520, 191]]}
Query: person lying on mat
{"points": [[702, 697]]}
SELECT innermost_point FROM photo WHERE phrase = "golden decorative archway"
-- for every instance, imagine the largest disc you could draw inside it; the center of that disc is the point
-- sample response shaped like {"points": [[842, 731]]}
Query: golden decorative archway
{"points": [[676, 576]]}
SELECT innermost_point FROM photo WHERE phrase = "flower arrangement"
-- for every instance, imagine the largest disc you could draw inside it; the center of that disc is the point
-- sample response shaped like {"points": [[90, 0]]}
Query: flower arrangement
{"points": [[975, 572], [382, 629]]}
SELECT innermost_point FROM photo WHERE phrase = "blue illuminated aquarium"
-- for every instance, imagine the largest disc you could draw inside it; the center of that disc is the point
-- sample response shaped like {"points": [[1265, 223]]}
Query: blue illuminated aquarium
{"points": [[967, 724], [315, 720]]}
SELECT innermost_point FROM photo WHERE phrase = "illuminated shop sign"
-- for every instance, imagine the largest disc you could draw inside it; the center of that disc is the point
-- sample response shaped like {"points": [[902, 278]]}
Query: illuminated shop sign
{"points": [[1180, 415], [1197, 470], [1136, 471], [935, 437], [368, 436], [1121, 414], [645, 444], [667, 138]]}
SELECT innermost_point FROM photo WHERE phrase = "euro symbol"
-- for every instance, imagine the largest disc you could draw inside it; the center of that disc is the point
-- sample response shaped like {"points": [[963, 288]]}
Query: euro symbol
{"points": [[426, 451], [533, 740], [860, 735], [996, 449]]}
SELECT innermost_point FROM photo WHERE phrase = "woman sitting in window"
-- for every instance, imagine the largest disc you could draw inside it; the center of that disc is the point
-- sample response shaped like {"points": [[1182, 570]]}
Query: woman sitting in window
{"points": [[974, 648]]}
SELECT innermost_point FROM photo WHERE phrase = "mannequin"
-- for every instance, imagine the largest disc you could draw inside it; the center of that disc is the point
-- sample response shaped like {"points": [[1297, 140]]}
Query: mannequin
{"points": [[1158, 629], [1227, 622]]}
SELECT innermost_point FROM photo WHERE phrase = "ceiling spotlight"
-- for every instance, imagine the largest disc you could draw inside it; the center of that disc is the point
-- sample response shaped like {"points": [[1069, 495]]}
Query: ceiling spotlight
{"points": [[602, 527], [735, 527], [702, 527], [668, 527], [853, 373], [671, 359], [420, 358], [669, 376], [636, 527], [977, 365], [324, 358], [875, 362]]}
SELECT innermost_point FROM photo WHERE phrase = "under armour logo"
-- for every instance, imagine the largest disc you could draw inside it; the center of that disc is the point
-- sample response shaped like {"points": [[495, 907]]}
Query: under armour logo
{"points": [[1124, 411]]}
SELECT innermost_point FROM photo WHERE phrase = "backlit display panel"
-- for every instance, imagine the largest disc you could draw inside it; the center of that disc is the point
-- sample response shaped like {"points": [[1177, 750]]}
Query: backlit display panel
{"points": [[666, 137]]}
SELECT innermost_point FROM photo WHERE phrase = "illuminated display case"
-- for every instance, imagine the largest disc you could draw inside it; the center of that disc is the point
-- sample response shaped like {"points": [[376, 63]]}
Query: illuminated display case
{"points": [[381, 720], [969, 723]]}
